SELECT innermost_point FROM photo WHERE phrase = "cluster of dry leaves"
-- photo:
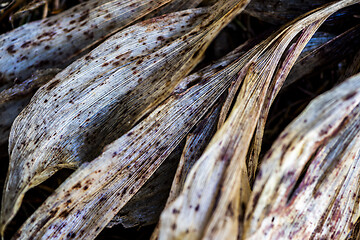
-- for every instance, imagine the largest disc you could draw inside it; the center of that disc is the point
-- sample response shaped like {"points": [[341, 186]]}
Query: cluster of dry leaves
{"points": [[118, 100]]}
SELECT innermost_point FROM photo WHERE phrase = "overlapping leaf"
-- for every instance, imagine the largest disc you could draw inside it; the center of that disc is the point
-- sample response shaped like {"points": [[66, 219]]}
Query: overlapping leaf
{"points": [[217, 189], [16, 97], [99, 189], [33, 154], [145, 206], [308, 184], [55, 41], [77, 124]]}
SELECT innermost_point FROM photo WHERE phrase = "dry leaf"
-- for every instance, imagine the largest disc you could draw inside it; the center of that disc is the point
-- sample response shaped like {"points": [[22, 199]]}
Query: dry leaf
{"points": [[146, 205], [99, 189], [130, 152], [16, 97], [308, 184], [57, 40], [196, 142], [60, 129], [217, 188], [174, 6], [334, 50]]}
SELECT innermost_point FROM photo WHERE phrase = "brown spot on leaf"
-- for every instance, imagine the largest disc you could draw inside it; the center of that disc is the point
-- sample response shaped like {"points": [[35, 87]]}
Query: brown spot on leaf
{"points": [[197, 208], [11, 49], [160, 38], [23, 58], [26, 44], [89, 34], [64, 214], [84, 15], [53, 212], [78, 185], [71, 235], [49, 24], [230, 210], [350, 95], [53, 84], [117, 63]]}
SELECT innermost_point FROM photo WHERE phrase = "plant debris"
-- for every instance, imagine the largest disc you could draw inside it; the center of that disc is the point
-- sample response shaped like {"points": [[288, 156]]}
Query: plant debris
{"points": [[180, 119]]}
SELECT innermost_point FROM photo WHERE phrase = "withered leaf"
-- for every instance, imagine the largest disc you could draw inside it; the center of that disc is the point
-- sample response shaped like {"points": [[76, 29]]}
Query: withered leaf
{"points": [[176, 65], [196, 142], [55, 42], [308, 183], [99, 189], [71, 118], [146, 205], [217, 189]]}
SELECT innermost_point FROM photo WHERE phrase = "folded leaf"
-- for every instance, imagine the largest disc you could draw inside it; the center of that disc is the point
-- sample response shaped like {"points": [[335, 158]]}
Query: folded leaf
{"points": [[272, 92], [308, 184], [217, 189], [196, 142]]}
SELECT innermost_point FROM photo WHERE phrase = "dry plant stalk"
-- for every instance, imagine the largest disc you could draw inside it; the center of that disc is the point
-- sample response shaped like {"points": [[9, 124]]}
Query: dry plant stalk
{"points": [[308, 185], [217, 188], [57, 40], [88, 83]]}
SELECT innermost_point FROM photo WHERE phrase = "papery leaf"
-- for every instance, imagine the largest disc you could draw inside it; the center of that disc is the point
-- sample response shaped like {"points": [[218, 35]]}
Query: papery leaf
{"points": [[55, 42], [217, 189], [136, 151], [308, 183], [146, 205], [16, 97], [92, 82], [196, 142], [99, 189]]}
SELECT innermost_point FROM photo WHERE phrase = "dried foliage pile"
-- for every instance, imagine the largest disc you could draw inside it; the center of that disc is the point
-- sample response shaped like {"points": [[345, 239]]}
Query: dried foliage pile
{"points": [[228, 119]]}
